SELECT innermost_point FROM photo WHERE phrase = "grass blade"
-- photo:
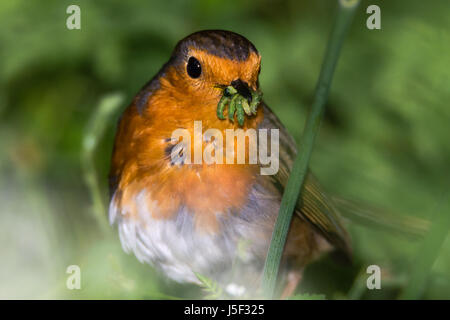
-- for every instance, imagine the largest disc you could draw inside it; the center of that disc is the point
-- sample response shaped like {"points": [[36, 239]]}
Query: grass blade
{"points": [[343, 20], [428, 253], [108, 105]]}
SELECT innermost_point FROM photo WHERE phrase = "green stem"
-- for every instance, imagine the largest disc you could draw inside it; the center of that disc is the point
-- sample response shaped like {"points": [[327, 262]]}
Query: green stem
{"points": [[94, 132], [300, 166]]}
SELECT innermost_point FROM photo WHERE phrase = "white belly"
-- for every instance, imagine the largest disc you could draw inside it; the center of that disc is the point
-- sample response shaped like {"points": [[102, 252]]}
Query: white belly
{"points": [[179, 251]]}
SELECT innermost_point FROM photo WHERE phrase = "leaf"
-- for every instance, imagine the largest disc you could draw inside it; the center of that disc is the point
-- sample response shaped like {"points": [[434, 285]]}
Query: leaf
{"points": [[210, 286]]}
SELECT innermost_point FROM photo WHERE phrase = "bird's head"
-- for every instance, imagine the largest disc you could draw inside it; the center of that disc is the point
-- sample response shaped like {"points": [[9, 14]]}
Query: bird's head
{"points": [[207, 70]]}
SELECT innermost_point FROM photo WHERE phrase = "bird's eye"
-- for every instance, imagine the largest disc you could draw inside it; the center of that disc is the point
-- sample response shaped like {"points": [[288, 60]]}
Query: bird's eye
{"points": [[194, 69]]}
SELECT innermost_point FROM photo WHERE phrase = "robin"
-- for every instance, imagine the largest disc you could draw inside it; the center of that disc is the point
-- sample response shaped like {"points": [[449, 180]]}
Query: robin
{"points": [[187, 218]]}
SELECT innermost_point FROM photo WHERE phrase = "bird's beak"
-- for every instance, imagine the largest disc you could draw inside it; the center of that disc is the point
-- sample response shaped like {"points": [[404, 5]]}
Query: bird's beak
{"points": [[242, 88]]}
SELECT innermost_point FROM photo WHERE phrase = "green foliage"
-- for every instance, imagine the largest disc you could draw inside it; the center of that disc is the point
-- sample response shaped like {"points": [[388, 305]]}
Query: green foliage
{"points": [[94, 132], [384, 139], [211, 287], [427, 254]]}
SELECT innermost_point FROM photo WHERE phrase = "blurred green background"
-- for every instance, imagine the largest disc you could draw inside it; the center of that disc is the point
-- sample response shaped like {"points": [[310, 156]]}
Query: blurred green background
{"points": [[385, 140]]}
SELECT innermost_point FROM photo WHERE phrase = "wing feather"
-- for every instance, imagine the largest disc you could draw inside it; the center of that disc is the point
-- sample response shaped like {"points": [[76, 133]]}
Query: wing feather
{"points": [[313, 205]]}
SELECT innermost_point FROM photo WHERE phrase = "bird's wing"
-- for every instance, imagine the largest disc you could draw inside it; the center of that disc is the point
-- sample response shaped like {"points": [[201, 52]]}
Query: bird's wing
{"points": [[313, 205]]}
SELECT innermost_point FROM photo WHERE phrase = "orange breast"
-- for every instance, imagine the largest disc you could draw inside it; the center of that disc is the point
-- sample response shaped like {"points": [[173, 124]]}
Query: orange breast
{"points": [[140, 162]]}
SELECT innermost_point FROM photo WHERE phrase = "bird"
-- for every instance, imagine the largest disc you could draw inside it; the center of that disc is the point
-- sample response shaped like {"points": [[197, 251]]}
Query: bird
{"points": [[216, 220]]}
